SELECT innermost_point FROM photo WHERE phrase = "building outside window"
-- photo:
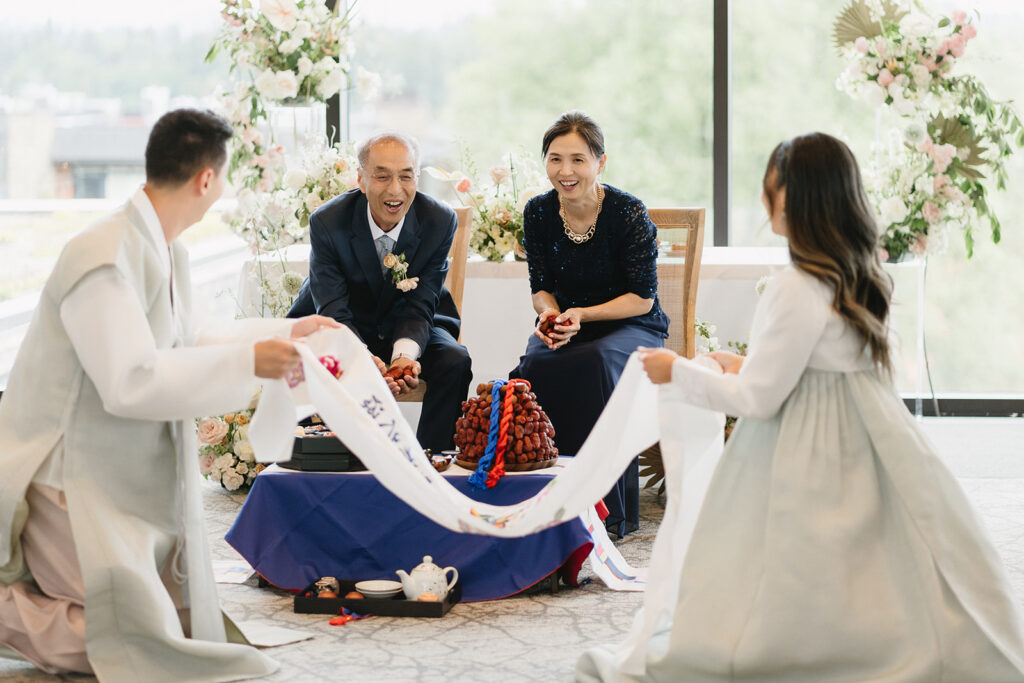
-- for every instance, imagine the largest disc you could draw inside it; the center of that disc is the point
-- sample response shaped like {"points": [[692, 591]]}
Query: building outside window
{"points": [[480, 79]]}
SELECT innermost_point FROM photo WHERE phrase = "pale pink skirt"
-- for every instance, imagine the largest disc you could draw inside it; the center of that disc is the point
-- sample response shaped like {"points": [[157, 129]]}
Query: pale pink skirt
{"points": [[44, 621]]}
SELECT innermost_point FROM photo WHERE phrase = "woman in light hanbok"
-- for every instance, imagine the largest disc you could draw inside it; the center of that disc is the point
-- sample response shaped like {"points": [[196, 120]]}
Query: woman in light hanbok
{"points": [[832, 543]]}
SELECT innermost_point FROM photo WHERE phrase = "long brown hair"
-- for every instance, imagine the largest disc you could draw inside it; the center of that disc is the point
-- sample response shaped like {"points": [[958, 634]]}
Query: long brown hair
{"points": [[832, 232]]}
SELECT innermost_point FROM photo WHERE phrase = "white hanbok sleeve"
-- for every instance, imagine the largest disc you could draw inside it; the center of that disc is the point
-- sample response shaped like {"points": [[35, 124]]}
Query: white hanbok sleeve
{"points": [[112, 337], [245, 329], [788, 324]]}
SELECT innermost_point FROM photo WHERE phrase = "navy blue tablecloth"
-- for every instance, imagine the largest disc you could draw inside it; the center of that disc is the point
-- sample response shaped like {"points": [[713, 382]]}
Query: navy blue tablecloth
{"points": [[298, 526]]}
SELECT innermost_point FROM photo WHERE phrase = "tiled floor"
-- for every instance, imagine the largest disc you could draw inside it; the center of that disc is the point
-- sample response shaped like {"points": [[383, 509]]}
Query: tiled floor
{"points": [[538, 637]]}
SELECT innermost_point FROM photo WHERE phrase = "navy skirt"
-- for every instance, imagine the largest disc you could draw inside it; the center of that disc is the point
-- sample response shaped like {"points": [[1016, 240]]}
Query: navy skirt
{"points": [[573, 385]]}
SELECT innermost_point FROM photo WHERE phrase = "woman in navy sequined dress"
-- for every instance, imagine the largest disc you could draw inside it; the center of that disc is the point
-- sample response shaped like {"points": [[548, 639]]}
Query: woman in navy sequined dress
{"points": [[591, 252]]}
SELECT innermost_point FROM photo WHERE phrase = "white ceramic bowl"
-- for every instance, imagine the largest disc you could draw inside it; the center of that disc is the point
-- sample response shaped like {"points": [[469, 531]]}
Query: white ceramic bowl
{"points": [[379, 588]]}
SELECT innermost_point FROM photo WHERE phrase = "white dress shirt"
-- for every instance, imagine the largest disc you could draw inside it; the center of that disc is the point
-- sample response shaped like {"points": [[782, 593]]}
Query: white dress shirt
{"points": [[403, 347]]}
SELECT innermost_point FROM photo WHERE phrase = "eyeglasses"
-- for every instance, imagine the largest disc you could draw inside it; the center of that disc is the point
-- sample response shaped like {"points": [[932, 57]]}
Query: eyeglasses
{"points": [[405, 178]]}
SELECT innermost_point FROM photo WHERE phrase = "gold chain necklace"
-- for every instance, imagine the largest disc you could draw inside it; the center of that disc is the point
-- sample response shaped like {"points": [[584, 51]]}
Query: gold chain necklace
{"points": [[585, 237]]}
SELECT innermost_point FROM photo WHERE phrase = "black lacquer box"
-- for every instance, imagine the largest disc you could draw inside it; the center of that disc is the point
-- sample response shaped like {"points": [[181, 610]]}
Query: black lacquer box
{"points": [[307, 602], [319, 450]]}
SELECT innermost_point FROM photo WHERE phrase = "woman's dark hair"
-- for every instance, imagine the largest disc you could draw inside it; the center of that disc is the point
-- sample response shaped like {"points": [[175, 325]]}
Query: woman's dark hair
{"points": [[832, 231], [184, 142], [575, 121]]}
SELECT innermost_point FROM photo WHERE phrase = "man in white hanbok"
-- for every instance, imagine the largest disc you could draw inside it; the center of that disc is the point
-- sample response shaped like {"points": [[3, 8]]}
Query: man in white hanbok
{"points": [[103, 562]]}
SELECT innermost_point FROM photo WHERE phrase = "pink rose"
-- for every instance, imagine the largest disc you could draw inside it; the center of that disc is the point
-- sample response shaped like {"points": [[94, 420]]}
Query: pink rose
{"points": [[943, 48], [463, 185], [499, 174], [941, 156], [212, 431], [939, 182], [861, 44], [925, 146], [928, 63], [957, 44], [930, 211], [206, 463], [920, 245], [883, 255], [885, 78], [959, 17], [955, 193], [970, 31]]}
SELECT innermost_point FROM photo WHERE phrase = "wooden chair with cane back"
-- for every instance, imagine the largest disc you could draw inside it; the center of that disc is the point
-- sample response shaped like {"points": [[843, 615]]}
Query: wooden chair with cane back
{"points": [[682, 232], [455, 281]]}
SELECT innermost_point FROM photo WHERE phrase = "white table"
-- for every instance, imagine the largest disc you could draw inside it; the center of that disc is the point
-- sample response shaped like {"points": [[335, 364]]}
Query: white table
{"points": [[498, 316]]}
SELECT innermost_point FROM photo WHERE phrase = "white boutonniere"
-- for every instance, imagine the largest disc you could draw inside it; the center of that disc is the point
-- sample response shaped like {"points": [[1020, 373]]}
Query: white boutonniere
{"points": [[398, 268]]}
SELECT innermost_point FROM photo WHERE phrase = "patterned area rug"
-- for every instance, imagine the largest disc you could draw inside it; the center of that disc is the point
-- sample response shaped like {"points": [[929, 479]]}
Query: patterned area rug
{"points": [[535, 636]]}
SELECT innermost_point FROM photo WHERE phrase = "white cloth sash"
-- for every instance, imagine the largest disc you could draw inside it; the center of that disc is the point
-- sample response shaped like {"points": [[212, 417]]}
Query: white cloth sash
{"points": [[360, 409]]}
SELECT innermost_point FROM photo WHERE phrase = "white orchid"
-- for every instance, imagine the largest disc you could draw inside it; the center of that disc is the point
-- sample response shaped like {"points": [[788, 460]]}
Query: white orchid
{"points": [[295, 179], [287, 84], [368, 83], [302, 30], [894, 210], [331, 83], [282, 14], [289, 46]]}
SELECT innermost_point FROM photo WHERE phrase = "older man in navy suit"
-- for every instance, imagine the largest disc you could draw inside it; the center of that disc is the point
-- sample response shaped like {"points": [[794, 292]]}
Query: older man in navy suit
{"points": [[350, 281]]}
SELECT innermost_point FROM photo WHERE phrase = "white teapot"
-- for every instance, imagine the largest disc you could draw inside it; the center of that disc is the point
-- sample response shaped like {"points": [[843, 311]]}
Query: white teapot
{"points": [[427, 578]]}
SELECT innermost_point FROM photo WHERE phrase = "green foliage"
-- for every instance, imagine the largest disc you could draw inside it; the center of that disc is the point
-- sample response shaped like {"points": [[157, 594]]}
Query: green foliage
{"points": [[739, 348], [106, 63], [643, 72]]}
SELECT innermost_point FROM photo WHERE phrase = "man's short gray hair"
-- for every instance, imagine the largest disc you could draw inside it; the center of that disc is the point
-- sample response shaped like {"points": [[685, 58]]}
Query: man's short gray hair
{"points": [[363, 151]]}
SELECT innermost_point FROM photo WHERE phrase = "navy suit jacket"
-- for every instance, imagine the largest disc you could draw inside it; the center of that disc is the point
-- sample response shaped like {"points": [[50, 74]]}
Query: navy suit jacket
{"points": [[345, 275]]}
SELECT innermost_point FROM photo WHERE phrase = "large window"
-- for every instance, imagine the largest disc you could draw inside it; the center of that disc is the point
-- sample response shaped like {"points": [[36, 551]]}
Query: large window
{"points": [[82, 82], [784, 73], [492, 81]]}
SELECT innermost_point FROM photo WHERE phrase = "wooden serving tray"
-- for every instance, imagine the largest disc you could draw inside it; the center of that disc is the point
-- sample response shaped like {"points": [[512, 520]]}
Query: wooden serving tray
{"points": [[514, 467], [306, 602]]}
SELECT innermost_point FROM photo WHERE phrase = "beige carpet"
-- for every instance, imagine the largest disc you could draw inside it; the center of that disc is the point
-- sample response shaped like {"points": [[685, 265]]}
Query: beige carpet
{"points": [[538, 637], [531, 637]]}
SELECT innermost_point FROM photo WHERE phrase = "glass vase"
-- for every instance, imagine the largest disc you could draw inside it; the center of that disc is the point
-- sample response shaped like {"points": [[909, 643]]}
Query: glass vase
{"points": [[300, 126]]}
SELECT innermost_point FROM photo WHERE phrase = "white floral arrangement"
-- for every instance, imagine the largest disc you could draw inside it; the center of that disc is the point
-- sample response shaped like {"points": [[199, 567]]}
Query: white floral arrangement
{"points": [[293, 48], [280, 51], [225, 454], [272, 220], [291, 52], [496, 204], [947, 135]]}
